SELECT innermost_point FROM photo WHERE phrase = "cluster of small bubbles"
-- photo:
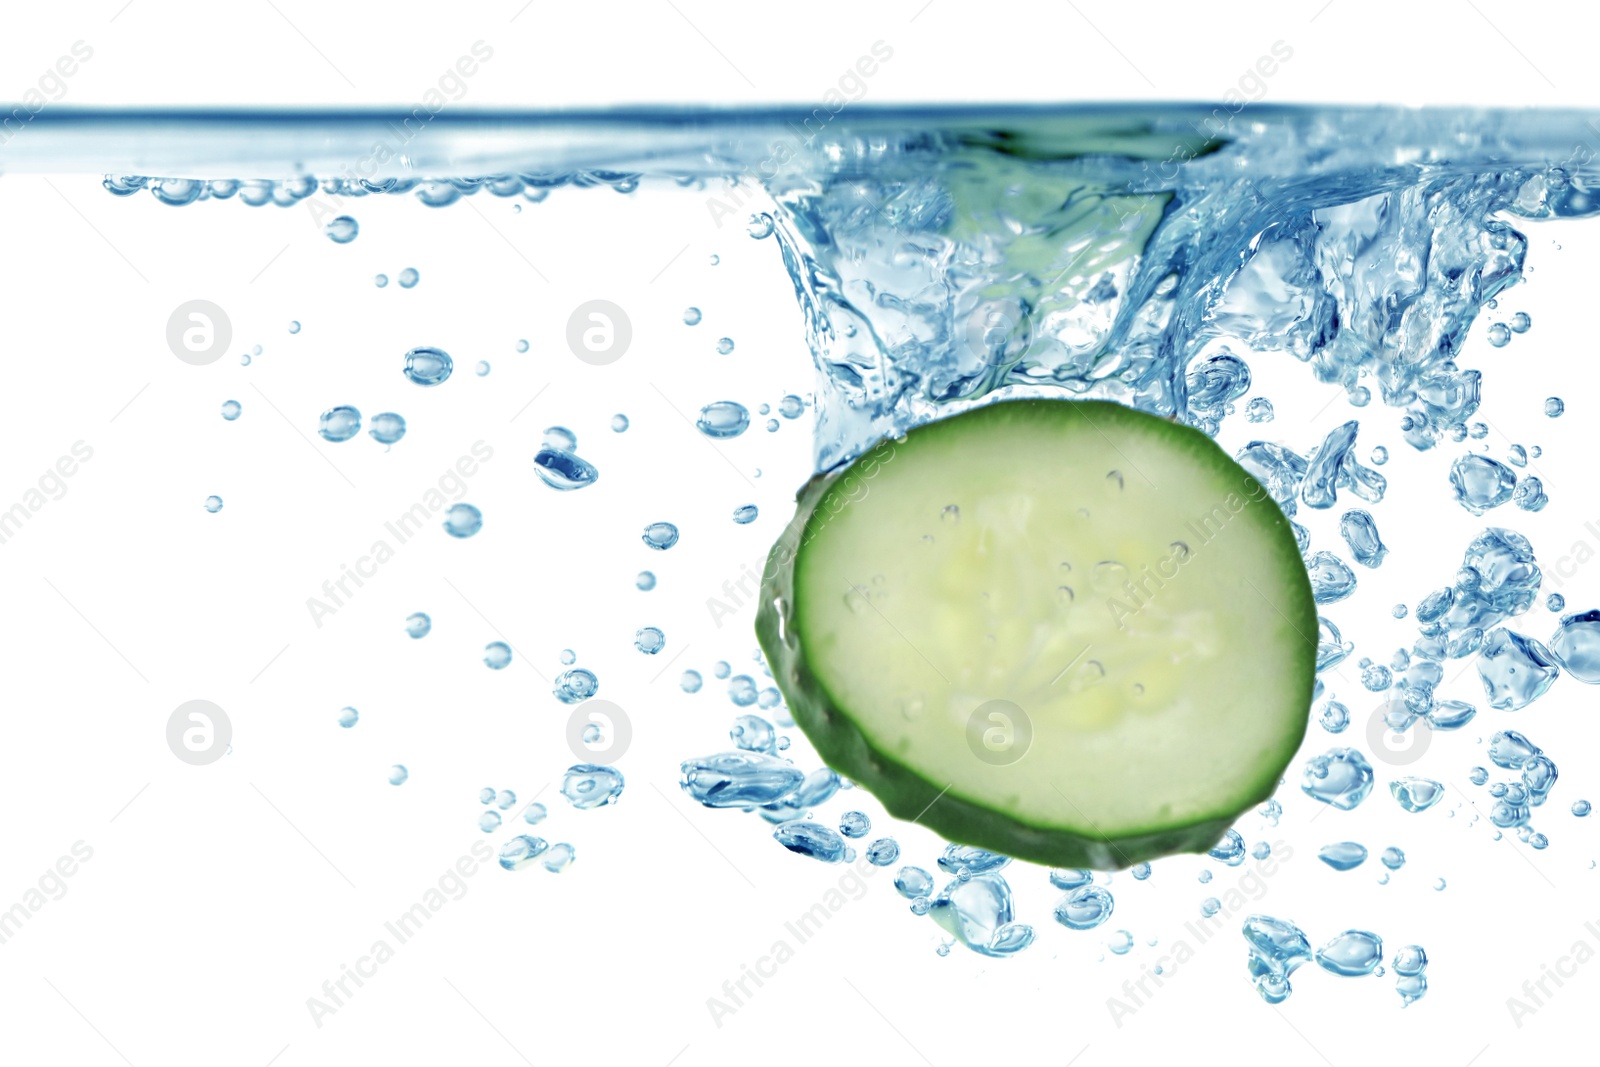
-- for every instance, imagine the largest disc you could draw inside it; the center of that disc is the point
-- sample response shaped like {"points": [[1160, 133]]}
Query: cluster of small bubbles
{"points": [[398, 774], [854, 824], [213, 504], [409, 278], [619, 423], [745, 514], [724, 345], [660, 536], [496, 655], [691, 316], [231, 409], [690, 682], [1499, 335], [348, 717], [462, 520], [342, 230], [649, 640]]}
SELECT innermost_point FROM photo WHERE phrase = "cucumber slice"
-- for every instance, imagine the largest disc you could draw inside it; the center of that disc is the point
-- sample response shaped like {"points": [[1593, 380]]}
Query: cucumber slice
{"points": [[1067, 631]]}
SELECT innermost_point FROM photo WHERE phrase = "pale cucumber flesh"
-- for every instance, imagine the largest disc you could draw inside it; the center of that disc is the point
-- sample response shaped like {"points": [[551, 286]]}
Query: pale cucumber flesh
{"points": [[1070, 628]]}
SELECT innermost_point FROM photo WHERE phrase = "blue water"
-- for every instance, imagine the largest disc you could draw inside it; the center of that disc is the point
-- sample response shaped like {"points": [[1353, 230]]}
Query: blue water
{"points": [[1152, 256]]}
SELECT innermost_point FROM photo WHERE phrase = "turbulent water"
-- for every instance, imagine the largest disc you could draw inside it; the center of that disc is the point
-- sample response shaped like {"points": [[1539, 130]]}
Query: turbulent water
{"points": [[1145, 256], [1139, 255]]}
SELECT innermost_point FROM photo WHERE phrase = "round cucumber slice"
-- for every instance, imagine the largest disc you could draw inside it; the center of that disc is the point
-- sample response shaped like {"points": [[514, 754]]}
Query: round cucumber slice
{"points": [[1067, 631]]}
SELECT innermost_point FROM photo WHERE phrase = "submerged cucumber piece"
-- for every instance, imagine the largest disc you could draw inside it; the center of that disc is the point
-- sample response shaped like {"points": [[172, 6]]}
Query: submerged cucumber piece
{"points": [[1067, 631]]}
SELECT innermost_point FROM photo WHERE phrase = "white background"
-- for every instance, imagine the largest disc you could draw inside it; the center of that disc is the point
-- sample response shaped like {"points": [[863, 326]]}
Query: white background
{"points": [[219, 899]]}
